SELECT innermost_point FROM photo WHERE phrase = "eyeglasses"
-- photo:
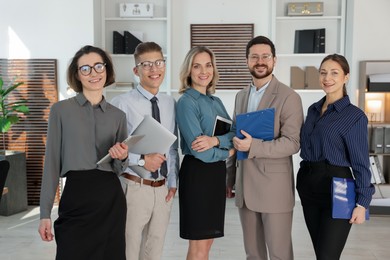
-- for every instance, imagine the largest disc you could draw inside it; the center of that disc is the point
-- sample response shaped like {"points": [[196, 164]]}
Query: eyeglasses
{"points": [[147, 65], [98, 67], [264, 57]]}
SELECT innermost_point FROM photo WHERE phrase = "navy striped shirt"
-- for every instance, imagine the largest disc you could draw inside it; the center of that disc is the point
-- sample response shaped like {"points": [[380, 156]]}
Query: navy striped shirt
{"points": [[340, 138]]}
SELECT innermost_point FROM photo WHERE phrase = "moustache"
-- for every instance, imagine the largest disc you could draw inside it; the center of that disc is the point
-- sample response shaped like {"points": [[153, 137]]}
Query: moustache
{"points": [[261, 66]]}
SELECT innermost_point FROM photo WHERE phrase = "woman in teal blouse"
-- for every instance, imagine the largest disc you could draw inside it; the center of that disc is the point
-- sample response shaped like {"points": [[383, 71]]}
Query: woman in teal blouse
{"points": [[202, 174]]}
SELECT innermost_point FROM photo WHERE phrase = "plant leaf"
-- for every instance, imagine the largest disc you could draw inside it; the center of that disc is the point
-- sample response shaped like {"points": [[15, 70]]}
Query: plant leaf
{"points": [[8, 111], [11, 88], [22, 109], [18, 102], [5, 125]]}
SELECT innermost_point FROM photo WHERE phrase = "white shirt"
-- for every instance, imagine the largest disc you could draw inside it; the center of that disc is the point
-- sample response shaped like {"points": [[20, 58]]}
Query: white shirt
{"points": [[255, 97], [136, 104]]}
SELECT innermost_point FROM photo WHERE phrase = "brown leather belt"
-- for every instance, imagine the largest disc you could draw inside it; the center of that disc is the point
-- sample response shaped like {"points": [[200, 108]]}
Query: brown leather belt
{"points": [[144, 181]]}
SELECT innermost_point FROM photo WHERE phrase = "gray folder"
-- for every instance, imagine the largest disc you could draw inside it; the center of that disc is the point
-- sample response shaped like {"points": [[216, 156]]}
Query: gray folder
{"points": [[157, 139], [129, 141], [387, 140], [377, 139]]}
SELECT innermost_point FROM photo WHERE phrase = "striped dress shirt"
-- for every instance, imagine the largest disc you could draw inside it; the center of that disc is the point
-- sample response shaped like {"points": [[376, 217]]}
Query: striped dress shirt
{"points": [[340, 138]]}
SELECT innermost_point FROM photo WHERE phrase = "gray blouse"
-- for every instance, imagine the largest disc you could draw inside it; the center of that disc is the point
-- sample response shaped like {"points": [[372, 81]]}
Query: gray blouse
{"points": [[79, 135]]}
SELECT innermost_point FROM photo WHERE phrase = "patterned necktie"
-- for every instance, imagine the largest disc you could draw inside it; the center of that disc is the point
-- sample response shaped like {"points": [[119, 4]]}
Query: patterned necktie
{"points": [[156, 115]]}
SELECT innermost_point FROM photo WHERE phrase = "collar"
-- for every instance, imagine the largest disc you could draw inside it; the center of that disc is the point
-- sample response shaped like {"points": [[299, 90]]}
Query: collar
{"points": [[254, 89], [196, 94], [146, 93], [339, 105], [82, 100]]}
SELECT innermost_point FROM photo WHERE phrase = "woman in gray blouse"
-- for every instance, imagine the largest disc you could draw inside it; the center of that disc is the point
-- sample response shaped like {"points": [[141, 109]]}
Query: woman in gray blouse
{"points": [[82, 129]]}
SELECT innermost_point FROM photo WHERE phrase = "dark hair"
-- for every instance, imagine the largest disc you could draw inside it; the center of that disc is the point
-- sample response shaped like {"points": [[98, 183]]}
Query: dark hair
{"points": [[185, 71], [342, 61], [260, 40], [72, 73], [144, 47]]}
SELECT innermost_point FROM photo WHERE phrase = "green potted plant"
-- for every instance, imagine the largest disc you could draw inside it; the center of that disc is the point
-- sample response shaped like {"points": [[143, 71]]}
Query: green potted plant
{"points": [[9, 109]]}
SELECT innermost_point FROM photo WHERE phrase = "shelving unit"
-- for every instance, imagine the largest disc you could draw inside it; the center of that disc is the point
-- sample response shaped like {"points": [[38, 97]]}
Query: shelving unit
{"points": [[381, 201], [283, 29], [156, 28]]}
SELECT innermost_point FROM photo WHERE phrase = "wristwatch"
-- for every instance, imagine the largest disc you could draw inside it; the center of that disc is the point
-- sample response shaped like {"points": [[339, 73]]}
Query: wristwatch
{"points": [[141, 161]]}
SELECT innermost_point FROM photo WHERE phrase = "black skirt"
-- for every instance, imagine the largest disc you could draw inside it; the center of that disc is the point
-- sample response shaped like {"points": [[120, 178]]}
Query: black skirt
{"points": [[92, 217], [202, 199]]}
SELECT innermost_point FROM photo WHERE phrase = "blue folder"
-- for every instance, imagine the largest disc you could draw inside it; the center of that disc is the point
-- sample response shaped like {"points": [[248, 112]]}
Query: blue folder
{"points": [[259, 124], [344, 198]]}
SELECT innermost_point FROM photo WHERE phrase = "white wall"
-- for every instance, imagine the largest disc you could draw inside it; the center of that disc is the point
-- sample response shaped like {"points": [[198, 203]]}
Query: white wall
{"points": [[49, 29]]}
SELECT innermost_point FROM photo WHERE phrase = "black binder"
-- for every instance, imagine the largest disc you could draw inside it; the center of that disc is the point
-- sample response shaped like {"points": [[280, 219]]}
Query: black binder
{"points": [[309, 41], [319, 41], [131, 42], [118, 43], [304, 41]]}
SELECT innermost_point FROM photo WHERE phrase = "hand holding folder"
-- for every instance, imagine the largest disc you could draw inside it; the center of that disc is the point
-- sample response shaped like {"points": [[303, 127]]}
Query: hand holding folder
{"points": [[259, 124], [344, 198], [157, 139], [130, 141]]}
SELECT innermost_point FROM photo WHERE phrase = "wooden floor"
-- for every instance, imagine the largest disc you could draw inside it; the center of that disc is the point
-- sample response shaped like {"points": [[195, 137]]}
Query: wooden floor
{"points": [[19, 239]]}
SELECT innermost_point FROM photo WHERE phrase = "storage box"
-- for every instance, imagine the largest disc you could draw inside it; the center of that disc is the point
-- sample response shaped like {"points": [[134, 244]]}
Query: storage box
{"points": [[305, 8], [312, 78], [297, 77], [136, 10]]}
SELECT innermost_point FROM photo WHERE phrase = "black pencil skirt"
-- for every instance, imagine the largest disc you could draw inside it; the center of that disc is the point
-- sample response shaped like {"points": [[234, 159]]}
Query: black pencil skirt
{"points": [[202, 199], [92, 217]]}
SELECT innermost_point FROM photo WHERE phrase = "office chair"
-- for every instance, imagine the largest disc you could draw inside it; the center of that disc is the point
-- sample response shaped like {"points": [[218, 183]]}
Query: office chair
{"points": [[4, 167]]}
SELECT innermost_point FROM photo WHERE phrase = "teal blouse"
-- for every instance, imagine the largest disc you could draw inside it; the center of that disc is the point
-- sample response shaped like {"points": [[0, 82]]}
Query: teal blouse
{"points": [[195, 116]]}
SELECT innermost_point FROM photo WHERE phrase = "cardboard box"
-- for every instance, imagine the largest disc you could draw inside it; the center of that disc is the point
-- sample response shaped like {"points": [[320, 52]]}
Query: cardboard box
{"points": [[297, 76], [136, 10], [312, 78]]}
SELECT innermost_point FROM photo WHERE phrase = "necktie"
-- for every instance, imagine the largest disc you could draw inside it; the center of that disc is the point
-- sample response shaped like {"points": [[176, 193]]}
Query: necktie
{"points": [[156, 115]]}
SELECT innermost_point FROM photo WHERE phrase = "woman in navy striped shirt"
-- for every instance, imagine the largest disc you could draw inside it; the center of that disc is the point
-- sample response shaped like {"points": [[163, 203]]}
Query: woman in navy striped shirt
{"points": [[334, 143]]}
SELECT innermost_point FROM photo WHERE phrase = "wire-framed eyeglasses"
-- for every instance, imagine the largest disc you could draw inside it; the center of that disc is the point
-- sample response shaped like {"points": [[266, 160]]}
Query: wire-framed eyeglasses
{"points": [[147, 65], [98, 67], [264, 57]]}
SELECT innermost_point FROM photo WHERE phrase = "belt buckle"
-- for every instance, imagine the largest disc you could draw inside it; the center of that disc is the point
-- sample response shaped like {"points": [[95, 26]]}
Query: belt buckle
{"points": [[154, 183]]}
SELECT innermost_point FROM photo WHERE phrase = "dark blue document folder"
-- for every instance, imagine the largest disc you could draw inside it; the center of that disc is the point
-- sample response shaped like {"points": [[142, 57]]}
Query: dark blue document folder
{"points": [[344, 198], [259, 124]]}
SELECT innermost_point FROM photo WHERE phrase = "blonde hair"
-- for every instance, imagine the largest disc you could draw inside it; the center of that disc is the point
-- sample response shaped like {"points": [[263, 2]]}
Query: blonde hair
{"points": [[185, 70]]}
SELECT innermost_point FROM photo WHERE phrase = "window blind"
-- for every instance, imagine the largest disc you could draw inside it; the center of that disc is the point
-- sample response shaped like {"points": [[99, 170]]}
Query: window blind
{"points": [[228, 42]]}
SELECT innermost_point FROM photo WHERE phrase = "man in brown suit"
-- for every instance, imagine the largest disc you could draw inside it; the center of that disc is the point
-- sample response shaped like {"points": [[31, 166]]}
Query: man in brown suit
{"points": [[264, 183]]}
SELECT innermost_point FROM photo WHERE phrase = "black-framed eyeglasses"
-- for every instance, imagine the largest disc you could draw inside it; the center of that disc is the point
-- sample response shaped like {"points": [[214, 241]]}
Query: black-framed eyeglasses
{"points": [[98, 67], [147, 65], [264, 57]]}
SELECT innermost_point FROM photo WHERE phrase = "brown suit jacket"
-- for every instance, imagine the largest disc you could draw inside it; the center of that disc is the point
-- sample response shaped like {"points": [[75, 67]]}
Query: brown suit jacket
{"points": [[265, 181]]}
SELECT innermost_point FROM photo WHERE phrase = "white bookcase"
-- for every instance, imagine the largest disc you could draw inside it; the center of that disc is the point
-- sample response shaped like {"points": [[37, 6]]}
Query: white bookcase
{"points": [[156, 28], [283, 28], [283, 35]]}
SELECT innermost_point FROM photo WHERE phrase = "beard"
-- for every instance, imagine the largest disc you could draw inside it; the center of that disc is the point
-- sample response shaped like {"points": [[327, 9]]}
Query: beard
{"points": [[262, 74]]}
